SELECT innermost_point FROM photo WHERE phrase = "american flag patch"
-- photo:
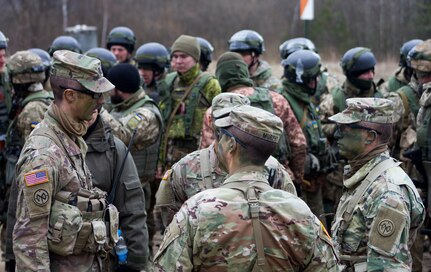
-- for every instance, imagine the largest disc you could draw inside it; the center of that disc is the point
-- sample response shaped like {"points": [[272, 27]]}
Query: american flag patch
{"points": [[35, 178]]}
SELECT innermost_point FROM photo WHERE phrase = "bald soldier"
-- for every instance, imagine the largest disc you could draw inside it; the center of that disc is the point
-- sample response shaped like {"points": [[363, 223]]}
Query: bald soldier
{"points": [[246, 225], [60, 222], [201, 170], [380, 210]]}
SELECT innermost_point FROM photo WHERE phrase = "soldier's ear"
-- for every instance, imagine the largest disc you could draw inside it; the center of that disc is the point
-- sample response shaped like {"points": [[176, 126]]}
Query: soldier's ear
{"points": [[371, 137], [69, 95]]}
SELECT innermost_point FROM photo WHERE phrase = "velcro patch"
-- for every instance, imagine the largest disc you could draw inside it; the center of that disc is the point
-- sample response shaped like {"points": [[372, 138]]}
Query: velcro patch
{"points": [[36, 177], [386, 230], [41, 197], [134, 121], [34, 124]]}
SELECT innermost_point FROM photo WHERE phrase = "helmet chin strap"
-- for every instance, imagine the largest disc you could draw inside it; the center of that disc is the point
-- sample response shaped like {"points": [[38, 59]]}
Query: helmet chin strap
{"points": [[254, 61]]}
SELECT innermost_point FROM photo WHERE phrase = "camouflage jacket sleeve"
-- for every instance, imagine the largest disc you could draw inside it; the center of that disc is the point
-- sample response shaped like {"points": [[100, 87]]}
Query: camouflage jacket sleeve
{"points": [[30, 116], [295, 136], [130, 201], [281, 178], [324, 257], [207, 135], [388, 242], [143, 120], [32, 215], [326, 110], [176, 251], [166, 205]]}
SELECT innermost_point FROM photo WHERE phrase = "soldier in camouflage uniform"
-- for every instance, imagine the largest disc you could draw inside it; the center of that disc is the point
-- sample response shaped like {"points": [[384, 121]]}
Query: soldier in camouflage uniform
{"points": [[135, 119], [51, 166], [121, 42], [301, 69], [420, 61], [404, 72], [152, 60], [112, 165], [200, 170], [184, 97], [250, 45], [380, 211], [238, 226], [29, 105], [233, 76]]}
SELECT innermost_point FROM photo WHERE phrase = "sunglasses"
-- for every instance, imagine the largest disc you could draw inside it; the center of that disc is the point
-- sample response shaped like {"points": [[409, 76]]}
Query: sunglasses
{"points": [[341, 128], [93, 95], [226, 132]]}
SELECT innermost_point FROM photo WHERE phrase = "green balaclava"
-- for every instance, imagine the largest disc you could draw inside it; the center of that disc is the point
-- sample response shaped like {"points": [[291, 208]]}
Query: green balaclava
{"points": [[232, 71]]}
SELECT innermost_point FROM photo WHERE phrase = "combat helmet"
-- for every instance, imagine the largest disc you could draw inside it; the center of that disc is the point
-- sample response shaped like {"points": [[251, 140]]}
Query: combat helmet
{"points": [[356, 60], [26, 67], [3, 41], [206, 53], [295, 44], [46, 58], [123, 36], [420, 57], [302, 67], [153, 54], [405, 49], [106, 57], [247, 40], [65, 43]]}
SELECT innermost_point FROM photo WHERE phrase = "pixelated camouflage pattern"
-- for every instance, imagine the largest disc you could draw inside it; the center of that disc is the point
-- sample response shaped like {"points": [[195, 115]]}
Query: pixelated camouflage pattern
{"points": [[263, 77], [395, 82], [213, 232], [31, 115], [254, 121], [84, 69], [142, 119], [393, 188], [176, 91], [65, 172], [184, 180], [26, 67], [375, 110], [422, 121], [294, 134], [421, 58]]}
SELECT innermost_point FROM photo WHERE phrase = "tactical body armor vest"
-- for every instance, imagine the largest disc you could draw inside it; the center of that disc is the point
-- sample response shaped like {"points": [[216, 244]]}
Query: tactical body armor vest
{"points": [[146, 159], [178, 112]]}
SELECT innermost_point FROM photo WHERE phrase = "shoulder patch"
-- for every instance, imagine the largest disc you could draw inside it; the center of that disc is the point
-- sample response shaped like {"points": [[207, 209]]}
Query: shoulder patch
{"points": [[134, 121], [167, 174], [386, 230], [34, 124], [36, 177], [41, 197]]}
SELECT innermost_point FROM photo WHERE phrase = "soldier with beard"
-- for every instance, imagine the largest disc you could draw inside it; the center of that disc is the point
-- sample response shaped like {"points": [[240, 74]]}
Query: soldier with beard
{"points": [[134, 117]]}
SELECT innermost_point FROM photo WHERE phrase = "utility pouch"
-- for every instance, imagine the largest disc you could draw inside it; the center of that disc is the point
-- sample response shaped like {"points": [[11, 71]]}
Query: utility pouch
{"points": [[65, 223]]}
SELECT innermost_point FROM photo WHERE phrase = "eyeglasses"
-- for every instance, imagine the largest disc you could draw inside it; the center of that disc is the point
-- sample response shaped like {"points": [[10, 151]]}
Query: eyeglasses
{"points": [[226, 132], [341, 128], [93, 95]]}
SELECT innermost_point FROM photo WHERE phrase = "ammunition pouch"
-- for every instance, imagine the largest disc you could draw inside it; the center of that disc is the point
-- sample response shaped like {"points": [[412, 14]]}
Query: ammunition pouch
{"points": [[82, 223]]}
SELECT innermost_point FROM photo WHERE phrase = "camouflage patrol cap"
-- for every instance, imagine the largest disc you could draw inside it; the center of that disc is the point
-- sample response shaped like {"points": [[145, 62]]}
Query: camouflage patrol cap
{"points": [[253, 121], [420, 57], [374, 110], [26, 67], [223, 103], [86, 70]]}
